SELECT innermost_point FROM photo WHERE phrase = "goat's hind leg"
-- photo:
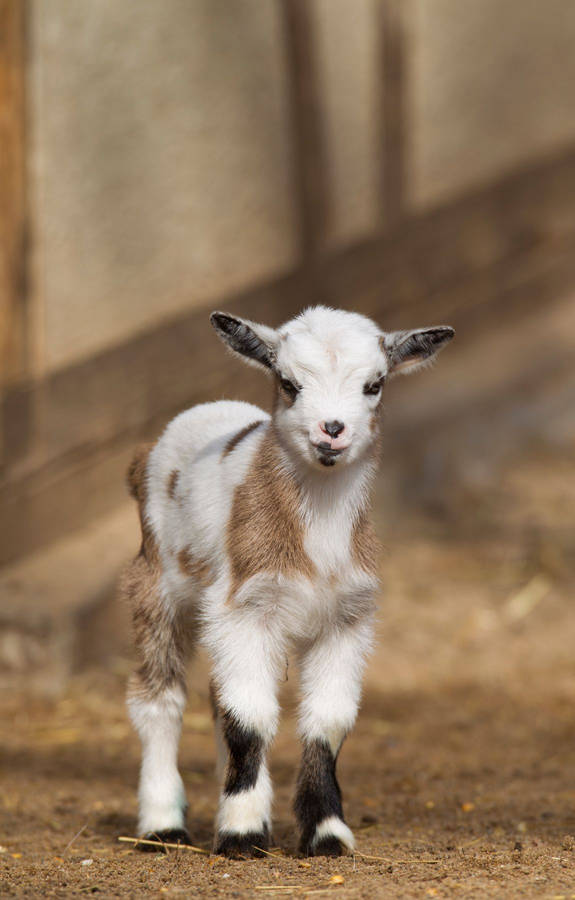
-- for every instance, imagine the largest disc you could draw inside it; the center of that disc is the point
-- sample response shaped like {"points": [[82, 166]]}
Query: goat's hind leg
{"points": [[156, 700]]}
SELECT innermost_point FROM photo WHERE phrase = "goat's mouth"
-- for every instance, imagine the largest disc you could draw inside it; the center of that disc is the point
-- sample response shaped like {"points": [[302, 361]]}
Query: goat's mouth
{"points": [[327, 455]]}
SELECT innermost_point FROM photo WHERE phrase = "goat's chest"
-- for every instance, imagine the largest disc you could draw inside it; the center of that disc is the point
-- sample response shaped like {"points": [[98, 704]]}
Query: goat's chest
{"points": [[301, 608], [340, 589], [301, 579], [327, 542]]}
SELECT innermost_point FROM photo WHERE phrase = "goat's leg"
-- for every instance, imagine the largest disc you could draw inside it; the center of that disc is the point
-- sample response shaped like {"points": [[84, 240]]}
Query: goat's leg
{"points": [[331, 672], [245, 711], [156, 700]]}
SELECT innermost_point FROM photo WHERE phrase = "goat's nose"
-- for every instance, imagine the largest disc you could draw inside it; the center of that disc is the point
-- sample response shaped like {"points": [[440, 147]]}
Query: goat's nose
{"points": [[333, 428]]}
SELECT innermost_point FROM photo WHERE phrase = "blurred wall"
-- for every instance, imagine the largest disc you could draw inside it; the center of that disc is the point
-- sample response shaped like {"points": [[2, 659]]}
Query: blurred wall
{"points": [[160, 161], [406, 158], [490, 89]]}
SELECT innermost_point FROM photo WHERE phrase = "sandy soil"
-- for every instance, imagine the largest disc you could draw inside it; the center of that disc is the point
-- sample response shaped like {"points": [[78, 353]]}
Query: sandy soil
{"points": [[459, 779]]}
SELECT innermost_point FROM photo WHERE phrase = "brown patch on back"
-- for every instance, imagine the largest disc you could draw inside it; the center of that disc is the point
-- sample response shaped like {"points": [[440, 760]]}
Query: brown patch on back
{"points": [[237, 438], [172, 484], [139, 489], [265, 532], [198, 569], [136, 476], [365, 547]]}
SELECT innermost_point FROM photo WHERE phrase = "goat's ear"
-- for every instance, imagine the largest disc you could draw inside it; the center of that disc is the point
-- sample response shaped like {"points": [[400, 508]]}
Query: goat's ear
{"points": [[410, 350], [257, 343]]}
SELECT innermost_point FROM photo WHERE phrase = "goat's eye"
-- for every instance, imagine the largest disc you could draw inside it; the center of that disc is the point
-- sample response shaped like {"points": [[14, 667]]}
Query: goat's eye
{"points": [[372, 388], [289, 387]]}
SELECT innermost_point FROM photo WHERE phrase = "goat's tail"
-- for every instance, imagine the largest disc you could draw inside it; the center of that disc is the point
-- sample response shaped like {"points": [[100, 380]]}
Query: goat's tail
{"points": [[136, 475]]}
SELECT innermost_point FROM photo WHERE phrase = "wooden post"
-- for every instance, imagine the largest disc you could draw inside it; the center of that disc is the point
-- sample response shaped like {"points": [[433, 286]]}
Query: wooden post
{"points": [[309, 152], [14, 410], [394, 126], [12, 192]]}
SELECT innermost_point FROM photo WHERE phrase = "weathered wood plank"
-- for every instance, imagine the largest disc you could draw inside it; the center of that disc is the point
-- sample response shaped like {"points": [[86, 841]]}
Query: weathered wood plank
{"points": [[12, 190], [14, 430], [310, 171], [393, 111]]}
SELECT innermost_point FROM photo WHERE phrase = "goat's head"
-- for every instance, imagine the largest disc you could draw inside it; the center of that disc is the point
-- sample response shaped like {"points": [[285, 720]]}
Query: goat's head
{"points": [[329, 367]]}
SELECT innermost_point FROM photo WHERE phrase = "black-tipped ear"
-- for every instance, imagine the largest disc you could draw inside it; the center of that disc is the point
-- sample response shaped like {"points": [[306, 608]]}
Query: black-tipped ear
{"points": [[409, 350], [255, 342]]}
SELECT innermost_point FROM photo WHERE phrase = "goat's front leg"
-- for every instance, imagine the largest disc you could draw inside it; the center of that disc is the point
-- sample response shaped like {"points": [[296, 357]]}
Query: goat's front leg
{"points": [[331, 673], [244, 684]]}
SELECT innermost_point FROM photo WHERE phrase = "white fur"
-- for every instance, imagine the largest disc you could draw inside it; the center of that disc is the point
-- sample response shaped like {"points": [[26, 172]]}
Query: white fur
{"points": [[246, 669], [331, 673], [326, 619], [249, 810], [161, 794]]}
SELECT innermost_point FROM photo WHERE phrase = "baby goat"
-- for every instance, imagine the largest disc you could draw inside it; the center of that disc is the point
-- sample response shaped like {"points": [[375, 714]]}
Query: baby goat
{"points": [[256, 541]]}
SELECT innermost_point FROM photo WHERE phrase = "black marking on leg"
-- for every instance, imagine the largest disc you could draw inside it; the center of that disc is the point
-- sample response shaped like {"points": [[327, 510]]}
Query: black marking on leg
{"points": [[235, 846], [317, 795], [245, 755], [167, 836], [327, 846]]}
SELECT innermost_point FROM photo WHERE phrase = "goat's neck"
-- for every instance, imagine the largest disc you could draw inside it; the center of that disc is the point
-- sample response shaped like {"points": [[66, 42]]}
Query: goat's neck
{"points": [[344, 490]]}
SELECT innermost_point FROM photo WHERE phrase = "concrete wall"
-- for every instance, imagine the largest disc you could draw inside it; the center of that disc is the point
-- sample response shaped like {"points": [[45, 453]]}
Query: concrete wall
{"points": [[490, 88], [347, 43], [162, 154], [161, 162]]}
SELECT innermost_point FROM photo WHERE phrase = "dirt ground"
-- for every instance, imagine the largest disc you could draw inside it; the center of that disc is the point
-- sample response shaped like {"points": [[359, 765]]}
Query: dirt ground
{"points": [[459, 780]]}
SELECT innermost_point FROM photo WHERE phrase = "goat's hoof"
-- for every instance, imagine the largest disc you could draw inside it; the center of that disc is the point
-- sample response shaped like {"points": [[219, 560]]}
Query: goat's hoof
{"points": [[168, 836], [326, 846], [236, 846]]}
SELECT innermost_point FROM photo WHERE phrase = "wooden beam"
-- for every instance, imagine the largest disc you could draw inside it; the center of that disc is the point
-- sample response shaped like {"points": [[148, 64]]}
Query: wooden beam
{"points": [[310, 171], [12, 191], [392, 38], [14, 424]]}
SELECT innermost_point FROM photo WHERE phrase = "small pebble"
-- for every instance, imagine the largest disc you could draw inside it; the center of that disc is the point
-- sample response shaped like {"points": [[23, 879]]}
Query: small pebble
{"points": [[87, 862]]}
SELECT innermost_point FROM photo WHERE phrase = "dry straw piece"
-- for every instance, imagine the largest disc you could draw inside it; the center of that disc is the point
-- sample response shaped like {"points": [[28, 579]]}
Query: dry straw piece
{"points": [[161, 845]]}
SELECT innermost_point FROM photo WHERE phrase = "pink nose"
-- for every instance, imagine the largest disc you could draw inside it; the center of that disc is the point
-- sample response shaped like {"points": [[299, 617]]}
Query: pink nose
{"points": [[333, 429]]}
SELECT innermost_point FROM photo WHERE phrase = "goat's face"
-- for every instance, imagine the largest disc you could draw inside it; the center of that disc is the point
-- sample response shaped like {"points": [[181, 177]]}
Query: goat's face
{"points": [[330, 367]]}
